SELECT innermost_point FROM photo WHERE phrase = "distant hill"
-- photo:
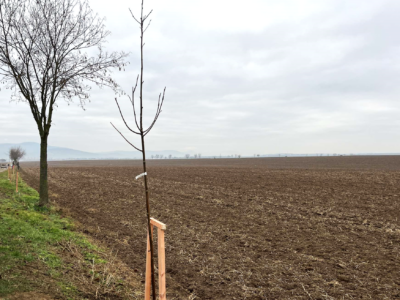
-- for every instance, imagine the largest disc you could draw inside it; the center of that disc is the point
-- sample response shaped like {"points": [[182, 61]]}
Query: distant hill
{"points": [[59, 153]]}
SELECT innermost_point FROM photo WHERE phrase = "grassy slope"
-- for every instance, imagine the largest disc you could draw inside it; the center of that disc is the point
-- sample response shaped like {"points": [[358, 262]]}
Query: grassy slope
{"points": [[39, 250]]}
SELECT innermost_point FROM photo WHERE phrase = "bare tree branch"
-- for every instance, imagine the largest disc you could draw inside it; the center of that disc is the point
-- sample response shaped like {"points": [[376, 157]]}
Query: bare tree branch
{"points": [[122, 116], [158, 112], [147, 27], [133, 102], [126, 138], [134, 17], [144, 18]]}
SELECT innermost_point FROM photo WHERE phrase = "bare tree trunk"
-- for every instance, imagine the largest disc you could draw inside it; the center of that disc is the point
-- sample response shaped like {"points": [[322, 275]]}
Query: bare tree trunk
{"points": [[44, 187]]}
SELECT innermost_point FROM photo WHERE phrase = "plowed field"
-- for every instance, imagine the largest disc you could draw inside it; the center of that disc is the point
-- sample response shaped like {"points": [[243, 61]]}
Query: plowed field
{"points": [[273, 228]]}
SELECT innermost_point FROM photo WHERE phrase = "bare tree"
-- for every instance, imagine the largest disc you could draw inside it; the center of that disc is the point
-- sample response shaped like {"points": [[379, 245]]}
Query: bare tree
{"points": [[170, 156], [195, 156], [16, 153], [142, 131], [187, 156], [44, 57]]}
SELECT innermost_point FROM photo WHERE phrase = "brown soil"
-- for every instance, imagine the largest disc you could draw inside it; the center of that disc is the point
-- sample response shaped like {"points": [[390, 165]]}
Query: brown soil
{"points": [[276, 228]]}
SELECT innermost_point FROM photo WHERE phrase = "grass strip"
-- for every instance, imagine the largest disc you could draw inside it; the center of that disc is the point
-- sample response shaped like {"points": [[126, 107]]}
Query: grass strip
{"points": [[40, 251]]}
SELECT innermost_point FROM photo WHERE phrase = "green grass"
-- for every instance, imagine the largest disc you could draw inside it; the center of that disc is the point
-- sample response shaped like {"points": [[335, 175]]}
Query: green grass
{"points": [[30, 235]]}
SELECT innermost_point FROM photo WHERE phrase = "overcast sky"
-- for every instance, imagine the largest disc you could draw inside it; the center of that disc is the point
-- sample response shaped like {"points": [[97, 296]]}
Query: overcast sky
{"points": [[244, 77]]}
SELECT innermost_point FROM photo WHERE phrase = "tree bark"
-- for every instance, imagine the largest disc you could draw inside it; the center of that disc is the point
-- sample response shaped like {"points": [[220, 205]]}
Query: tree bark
{"points": [[44, 187]]}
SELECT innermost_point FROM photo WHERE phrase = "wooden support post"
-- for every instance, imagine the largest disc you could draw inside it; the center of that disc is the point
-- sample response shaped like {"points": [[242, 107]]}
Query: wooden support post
{"points": [[147, 290], [9, 173], [162, 288], [16, 183], [158, 224], [161, 265]]}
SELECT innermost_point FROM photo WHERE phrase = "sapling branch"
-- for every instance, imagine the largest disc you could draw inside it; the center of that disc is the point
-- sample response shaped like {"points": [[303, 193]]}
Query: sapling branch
{"points": [[134, 16], [122, 116], [133, 102], [125, 138]]}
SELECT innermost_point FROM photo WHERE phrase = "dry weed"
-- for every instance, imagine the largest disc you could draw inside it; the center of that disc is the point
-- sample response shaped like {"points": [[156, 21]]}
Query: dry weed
{"points": [[100, 277]]}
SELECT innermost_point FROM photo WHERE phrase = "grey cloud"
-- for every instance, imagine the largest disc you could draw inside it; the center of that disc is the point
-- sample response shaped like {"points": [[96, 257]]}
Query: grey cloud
{"points": [[325, 81]]}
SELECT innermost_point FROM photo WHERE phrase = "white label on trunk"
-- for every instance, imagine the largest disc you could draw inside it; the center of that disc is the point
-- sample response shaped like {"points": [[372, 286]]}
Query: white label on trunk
{"points": [[141, 175]]}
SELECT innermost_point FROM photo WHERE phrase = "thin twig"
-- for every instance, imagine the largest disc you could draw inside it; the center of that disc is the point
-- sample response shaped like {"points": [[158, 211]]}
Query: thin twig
{"points": [[134, 16], [133, 102], [122, 116], [125, 138], [158, 112], [146, 16], [147, 27]]}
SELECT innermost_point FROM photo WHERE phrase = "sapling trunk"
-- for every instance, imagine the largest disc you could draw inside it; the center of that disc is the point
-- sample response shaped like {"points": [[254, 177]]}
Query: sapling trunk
{"points": [[144, 159], [148, 221]]}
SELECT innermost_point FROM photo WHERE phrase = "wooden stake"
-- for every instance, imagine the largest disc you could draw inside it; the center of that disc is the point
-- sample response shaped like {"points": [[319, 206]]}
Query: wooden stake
{"points": [[147, 289], [162, 287], [161, 265], [16, 183], [9, 175], [158, 224]]}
